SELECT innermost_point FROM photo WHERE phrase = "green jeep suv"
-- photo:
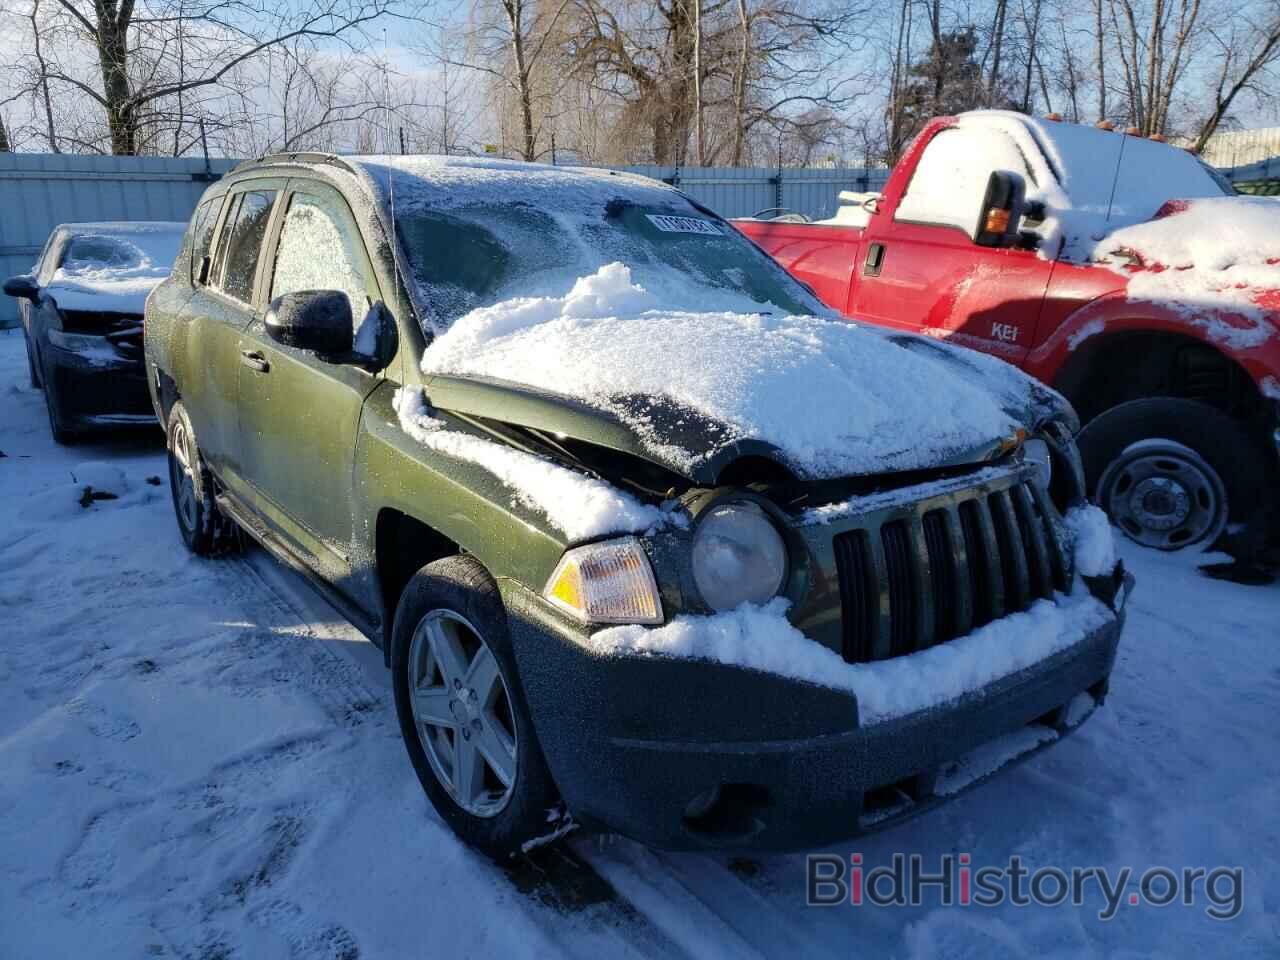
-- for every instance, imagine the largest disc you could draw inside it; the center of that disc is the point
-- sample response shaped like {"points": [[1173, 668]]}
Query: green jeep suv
{"points": [[651, 541]]}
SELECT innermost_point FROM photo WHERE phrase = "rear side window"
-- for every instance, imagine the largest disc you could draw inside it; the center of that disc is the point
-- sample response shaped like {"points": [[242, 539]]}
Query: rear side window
{"points": [[200, 235], [241, 239]]}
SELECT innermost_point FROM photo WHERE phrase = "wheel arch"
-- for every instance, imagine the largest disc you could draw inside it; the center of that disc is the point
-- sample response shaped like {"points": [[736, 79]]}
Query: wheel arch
{"points": [[1136, 362], [402, 545]]}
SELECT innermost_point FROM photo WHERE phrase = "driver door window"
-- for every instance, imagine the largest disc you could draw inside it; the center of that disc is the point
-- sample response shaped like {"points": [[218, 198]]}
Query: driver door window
{"points": [[950, 180], [320, 249]]}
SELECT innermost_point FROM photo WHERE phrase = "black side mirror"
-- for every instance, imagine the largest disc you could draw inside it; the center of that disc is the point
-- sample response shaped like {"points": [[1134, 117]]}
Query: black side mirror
{"points": [[1002, 208], [315, 320], [202, 270], [23, 286]]}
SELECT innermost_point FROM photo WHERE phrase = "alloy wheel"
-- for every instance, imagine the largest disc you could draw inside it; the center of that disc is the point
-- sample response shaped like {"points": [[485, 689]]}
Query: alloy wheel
{"points": [[181, 475], [462, 713]]}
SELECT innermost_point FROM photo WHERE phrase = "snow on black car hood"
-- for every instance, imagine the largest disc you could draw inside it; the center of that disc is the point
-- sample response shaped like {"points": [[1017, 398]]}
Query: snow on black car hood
{"points": [[828, 398]]}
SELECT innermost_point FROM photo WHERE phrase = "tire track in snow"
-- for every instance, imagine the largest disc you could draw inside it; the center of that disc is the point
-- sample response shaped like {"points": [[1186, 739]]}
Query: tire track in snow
{"points": [[557, 885]]}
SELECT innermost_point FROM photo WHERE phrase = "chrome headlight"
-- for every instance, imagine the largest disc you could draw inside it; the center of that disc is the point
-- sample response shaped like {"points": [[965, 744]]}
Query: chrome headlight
{"points": [[1036, 452], [738, 556]]}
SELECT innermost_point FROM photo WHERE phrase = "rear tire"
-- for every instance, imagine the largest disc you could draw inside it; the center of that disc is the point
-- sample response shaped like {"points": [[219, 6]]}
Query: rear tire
{"points": [[463, 715], [203, 527], [1173, 473]]}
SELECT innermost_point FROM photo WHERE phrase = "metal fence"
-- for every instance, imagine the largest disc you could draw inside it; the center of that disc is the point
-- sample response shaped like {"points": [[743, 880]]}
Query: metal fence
{"points": [[743, 191], [40, 191]]}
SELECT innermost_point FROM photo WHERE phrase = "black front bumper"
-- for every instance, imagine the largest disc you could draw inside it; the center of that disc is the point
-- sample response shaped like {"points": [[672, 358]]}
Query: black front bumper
{"points": [[100, 390], [684, 754]]}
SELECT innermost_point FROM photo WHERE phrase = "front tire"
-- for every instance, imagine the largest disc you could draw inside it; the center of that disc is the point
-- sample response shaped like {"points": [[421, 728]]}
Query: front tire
{"points": [[62, 435], [462, 711], [201, 524], [33, 370], [1171, 473]]}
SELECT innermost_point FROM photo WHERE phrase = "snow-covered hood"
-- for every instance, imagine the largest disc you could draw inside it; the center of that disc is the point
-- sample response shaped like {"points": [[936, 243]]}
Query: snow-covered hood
{"points": [[1216, 261], [104, 293], [697, 390]]}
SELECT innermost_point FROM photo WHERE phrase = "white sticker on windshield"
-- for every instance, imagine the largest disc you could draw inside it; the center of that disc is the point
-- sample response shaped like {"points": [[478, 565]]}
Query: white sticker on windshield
{"points": [[684, 225]]}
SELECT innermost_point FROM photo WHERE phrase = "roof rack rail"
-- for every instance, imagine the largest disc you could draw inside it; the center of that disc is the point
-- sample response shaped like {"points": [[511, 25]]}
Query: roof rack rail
{"points": [[297, 156]]}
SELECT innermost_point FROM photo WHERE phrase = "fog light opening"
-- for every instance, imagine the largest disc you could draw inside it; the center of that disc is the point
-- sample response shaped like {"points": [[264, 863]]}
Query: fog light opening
{"points": [[728, 811]]}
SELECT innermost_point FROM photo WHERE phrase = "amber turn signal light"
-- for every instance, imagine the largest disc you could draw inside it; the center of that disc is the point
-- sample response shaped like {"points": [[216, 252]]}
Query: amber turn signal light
{"points": [[997, 222]]}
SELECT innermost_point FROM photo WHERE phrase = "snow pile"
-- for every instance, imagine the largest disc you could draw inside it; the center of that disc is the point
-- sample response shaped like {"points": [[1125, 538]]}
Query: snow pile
{"points": [[113, 266], [834, 398], [579, 506], [761, 638], [1092, 540]]}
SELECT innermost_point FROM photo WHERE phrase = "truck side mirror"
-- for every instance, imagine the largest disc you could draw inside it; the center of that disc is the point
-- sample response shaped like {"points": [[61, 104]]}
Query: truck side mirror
{"points": [[1001, 211], [315, 320]]}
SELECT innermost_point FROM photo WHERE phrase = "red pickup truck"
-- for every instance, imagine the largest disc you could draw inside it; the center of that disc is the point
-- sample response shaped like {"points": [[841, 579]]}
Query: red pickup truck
{"points": [[1120, 270]]}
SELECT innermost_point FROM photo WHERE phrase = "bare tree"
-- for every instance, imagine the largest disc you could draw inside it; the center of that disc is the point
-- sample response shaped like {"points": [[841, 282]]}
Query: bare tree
{"points": [[193, 45], [1242, 62]]}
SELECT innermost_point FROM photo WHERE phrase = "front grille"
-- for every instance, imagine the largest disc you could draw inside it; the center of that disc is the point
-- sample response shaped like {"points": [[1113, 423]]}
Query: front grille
{"points": [[912, 582]]}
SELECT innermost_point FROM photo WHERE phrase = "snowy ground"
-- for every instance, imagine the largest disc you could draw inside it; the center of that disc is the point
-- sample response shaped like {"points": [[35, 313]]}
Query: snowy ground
{"points": [[200, 760]]}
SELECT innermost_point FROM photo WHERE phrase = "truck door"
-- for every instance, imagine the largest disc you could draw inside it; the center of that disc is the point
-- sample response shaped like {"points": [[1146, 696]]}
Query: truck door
{"points": [[919, 268]]}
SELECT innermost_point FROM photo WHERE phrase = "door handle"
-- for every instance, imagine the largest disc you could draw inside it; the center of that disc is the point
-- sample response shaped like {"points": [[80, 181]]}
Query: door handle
{"points": [[875, 260], [254, 360]]}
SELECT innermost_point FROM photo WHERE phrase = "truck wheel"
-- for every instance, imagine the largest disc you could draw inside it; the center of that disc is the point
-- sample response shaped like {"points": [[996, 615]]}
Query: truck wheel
{"points": [[202, 525], [1171, 473], [462, 712]]}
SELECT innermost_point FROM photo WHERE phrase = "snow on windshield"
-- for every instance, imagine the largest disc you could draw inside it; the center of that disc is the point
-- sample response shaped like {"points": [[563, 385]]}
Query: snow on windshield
{"points": [[834, 398], [113, 266], [480, 232]]}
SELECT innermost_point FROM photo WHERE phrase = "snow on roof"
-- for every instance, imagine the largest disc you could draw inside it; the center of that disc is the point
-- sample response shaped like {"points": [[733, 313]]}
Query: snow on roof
{"points": [[835, 398], [443, 182], [116, 275]]}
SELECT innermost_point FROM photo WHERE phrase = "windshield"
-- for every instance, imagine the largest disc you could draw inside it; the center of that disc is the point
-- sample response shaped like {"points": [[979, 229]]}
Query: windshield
{"points": [[142, 252], [479, 254]]}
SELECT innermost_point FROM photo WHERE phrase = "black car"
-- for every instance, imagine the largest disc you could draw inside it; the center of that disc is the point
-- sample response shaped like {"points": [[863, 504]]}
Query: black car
{"points": [[81, 310]]}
